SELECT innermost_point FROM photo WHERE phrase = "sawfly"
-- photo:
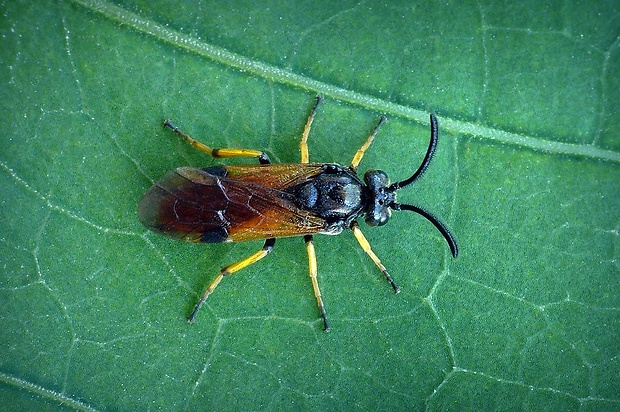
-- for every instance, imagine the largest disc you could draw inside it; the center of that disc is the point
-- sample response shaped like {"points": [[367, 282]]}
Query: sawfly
{"points": [[266, 201]]}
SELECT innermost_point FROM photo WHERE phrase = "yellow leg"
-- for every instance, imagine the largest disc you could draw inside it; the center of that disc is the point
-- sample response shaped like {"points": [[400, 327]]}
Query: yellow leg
{"points": [[229, 270], [221, 153], [315, 282], [360, 153], [366, 246], [303, 145]]}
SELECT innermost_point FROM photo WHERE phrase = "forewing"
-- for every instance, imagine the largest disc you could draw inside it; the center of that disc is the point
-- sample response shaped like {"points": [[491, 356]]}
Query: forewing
{"points": [[221, 203], [276, 176]]}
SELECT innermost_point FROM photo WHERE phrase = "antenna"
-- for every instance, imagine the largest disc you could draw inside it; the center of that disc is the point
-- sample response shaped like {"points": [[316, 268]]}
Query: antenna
{"points": [[440, 226], [427, 159]]}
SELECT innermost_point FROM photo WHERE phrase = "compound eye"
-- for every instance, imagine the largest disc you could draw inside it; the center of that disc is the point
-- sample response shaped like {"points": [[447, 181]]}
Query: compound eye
{"points": [[376, 179], [378, 216]]}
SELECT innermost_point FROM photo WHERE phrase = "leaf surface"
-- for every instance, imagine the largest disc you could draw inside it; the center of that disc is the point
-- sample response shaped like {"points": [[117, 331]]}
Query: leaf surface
{"points": [[93, 306]]}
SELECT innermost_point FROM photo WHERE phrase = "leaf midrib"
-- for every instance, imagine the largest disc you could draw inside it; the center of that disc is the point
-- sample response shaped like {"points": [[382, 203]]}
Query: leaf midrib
{"points": [[278, 75]]}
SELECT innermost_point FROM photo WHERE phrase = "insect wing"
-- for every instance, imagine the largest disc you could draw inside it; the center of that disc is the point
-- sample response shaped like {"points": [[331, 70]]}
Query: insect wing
{"points": [[235, 203], [281, 176]]}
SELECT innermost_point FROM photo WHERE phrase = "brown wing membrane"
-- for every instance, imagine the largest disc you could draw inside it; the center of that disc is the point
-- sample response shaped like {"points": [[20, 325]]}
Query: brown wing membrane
{"points": [[276, 176], [228, 203]]}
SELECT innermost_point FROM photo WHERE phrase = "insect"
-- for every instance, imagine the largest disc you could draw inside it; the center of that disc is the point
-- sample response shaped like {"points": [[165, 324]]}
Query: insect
{"points": [[267, 201]]}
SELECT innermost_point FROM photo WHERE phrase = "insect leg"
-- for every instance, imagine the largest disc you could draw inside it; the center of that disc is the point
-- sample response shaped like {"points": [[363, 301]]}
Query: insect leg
{"points": [[366, 246], [229, 270], [261, 156], [315, 283], [303, 145], [360, 153]]}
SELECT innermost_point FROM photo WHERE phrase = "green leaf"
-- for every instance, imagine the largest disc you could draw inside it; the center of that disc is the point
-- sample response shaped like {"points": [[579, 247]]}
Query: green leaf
{"points": [[93, 306]]}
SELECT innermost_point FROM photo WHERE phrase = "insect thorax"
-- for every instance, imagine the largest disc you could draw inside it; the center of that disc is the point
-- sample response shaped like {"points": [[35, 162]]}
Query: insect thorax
{"points": [[336, 195]]}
